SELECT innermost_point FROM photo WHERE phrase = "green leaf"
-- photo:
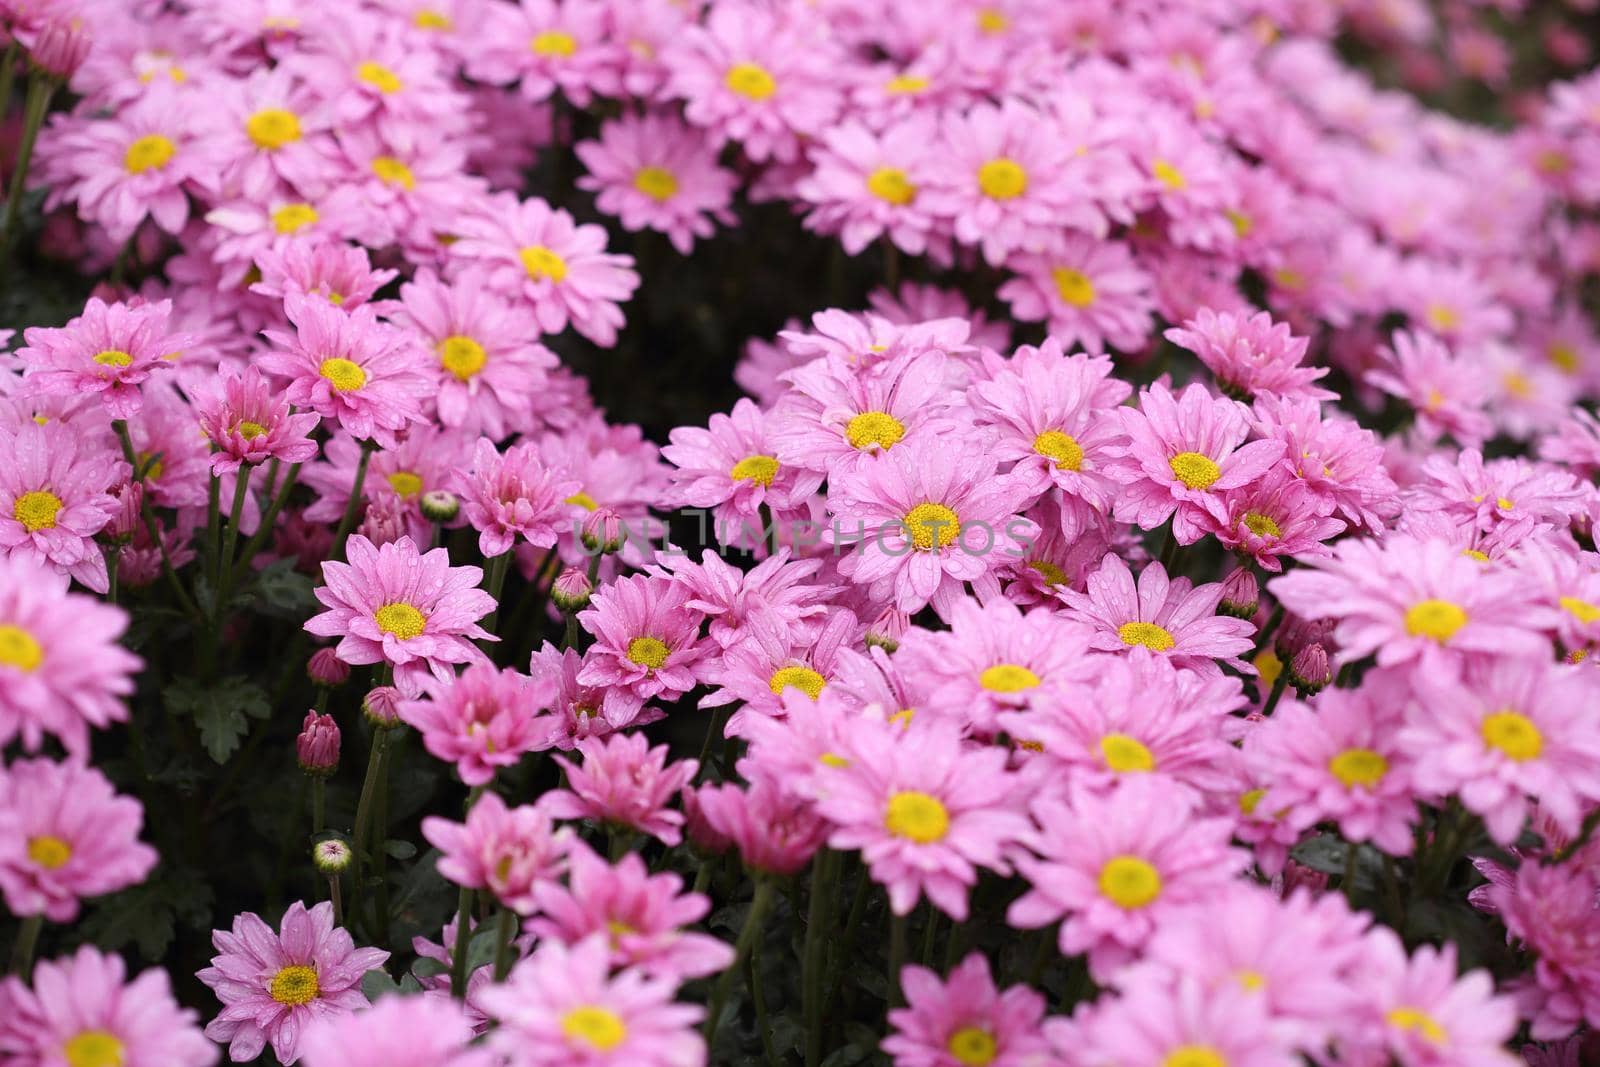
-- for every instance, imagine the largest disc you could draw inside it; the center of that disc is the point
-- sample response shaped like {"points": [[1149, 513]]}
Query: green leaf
{"points": [[285, 591], [146, 915], [1324, 852], [429, 968], [219, 710], [376, 984], [480, 950], [221, 730], [400, 850]]}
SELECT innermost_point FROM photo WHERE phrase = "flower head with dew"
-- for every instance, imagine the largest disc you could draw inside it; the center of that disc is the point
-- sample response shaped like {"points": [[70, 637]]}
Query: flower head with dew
{"points": [[965, 1019], [1251, 356], [625, 783], [54, 498], [506, 852], [248, 424], [110, 350], [481, 721], [512, 497], [647, 641]]}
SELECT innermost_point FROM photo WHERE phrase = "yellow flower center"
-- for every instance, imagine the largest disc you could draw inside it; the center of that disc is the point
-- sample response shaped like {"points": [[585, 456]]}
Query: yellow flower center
{"points": [[1359, 768], [1477, 554], [379, 77], [1442, 317], [1155, 638], [428, 19], [150, 152], [1436, 619], [113, 357], [874, 428], [1417, 1021], [891, 184], [833, 759], [751, 81], [1194, 470], [759, 469], [1581, 610], [1517, 385], [583, 500], [600, 1028], [1514, 734], [1251, 980], [392, 171], [400, 619], [541, 263], [49, 852], [405, 483], [272, 128], [1564, 356], [658, 183], [1268, 666], [1073, 286], [554, 44], [1242, 224], [19, 648], [249, 430], [1061, 447], [292, 218], [462, 356], [906, 85], [973, 1047], [1195, 1056], [344, 375], [94, 1048], [1249, 799], [1008, 678], [1125, 754], [804, 679], [917, 817], [1262, 525], [992, 21], [1168, 175], [648, 652], [1052, 574], [932, 526], [37, 510], [295, 985], [1002, 179], [1129, 882]]}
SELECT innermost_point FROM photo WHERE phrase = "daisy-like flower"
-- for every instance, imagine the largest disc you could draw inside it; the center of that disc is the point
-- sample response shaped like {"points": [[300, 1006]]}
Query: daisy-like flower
{"points": [[1339, 763], [274, 984], [1407, 599], [1488, 495], [513, 495], [925, 810], [271, 130], [772, 661], [1446, 395], [1276, 515], [427, 459], [1431, 1017], [61, 669], [483, 720], [625, 782], [563, 1007], [1089, 292], [642, 915], [1113, 864], [579, 711], [247, 423], [83, 1012], [505, 851], [54, 498], [866, 184], [66, 835], [923, 521], [1507, 730], [341, 274], [779, 588], [1334, 455], [1175, 1026], [539, 255], [1171, 617], [348, 366], [654, 172], [647, 642], [775, 830], [1550, 909], [393, 604], [425, 1031], [544, 46], [1251, 356], [109, 350], [1181, 452], [965, 1020]]}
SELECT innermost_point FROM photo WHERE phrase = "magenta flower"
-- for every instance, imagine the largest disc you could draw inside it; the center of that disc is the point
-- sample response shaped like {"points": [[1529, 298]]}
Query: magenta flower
{"points": [[647, 642], [481, 721], [775, 830], [428, 458], [61, 669], [1335, 456], [965, 1020], [1447, 397], [340, 273], [625, 782], [273, 985], [514, 495], [1432, 1017], [1090, 292], [772, 662], [249, 424], [1171, 617], [393, 604], [1550, 910], [579, 711], [1276, 515], [505, 851], [66, 835], [867, 184], [779, 588], [1252, 356], [654, 172], [111, 350]]}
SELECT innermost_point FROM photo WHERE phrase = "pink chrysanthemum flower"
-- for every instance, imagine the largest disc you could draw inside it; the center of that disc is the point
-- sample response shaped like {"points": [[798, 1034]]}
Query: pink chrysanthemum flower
{"points": [[111, 349], [579, 711], [1408, 599], [779, 587], [559, 268], [1276, 515], [425, 1031], [1089, 292], [1157, 1024], [1182, 451], [1430, 1017], [563, 1007], [489, 361], [339, 273], [82, 1012], [922, 522], [965, 1020], [61, 669], [543, 46], [1338, 458], [1446, 396], [653, 172], [1571, 582], [643, 916], [427, 459], [54, 498], [66, 835], [1508, 730], [1172, 617], [760, 671], [1113, 864], [249, 424], [925, 810], [349, 366], [865, 185], [271, 132], [1550, 909], [625, 782], [1487, 495], [273, 985], [775, 830], [396, 605], [506, 851], [513, 495], [1251, 356], [647, 641], [483, 720]]}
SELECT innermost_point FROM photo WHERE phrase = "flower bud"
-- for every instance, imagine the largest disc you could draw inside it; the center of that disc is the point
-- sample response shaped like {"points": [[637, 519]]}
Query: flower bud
{"points": [[603, 530], [126, 520], [59, 48], [331, 856], [318, 745], [1241, 594], [1296, 633], [325, 668], [571, 590], [384, 522], [382, 707], [440, 505], [1310, 670], [887, 629]]}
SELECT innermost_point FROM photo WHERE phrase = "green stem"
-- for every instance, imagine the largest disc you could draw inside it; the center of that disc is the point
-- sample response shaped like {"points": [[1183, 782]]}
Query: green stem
{"points": [[214, 537], [241, 493], [1351, 853], [363, 813], [719, 719], [1277, 691], [502, 944], [494, 582], [458, 955], [763, 1027], [380, 821], [1268, 628], [928, 936], [353, 505], [113, 557], [318, 787], [167, 570], [264, 531], [897, 958], [1169, 552], [8, 75], [846, 947], [27, 941], [338, 904], [818, 929], [41, 87], [766, 891], [569, 635]]}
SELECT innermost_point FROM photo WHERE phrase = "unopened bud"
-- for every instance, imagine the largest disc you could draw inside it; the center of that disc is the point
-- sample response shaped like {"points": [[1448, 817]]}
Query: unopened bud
{"points": [[384, 522], [1241, 594], [318, 745], [126, 520], [1296, 633], [331, 856], [1310, 671], [382, 707], [59, 48], [325, 668], [571, 590], [440, 505], [887, 629], [603, 530]]}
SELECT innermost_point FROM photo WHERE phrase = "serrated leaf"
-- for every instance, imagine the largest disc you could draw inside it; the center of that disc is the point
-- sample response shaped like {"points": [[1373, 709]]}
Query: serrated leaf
{"points": [[219, 710], [375, 984], [221, 729], [429, 968], [285, 591]]}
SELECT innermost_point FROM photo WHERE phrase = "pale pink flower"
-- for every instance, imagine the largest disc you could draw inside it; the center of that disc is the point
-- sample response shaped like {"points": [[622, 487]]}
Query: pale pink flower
{"points": [[483, 720], [1087, 291], [54, 498], [1433, 1016], [653, 172], [625, 782], [543, 47], [507, 852], [1171, 617], [965, 1020], [1447, 397], [865, 185], [512, 496], [647, 642], [425, 1031], [110, 350], [1251, 356], [248, 424], [775, 830]]}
